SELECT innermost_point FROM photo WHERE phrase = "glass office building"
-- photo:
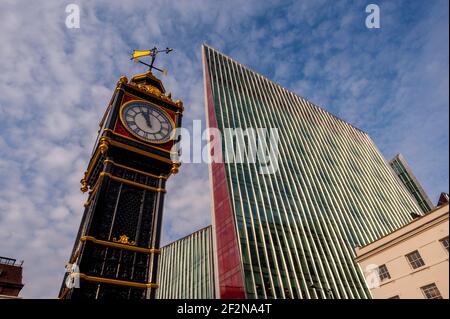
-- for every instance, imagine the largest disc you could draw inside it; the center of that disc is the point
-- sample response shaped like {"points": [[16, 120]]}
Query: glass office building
{"points": [[404, 172], [292, 234], [185, 268]]}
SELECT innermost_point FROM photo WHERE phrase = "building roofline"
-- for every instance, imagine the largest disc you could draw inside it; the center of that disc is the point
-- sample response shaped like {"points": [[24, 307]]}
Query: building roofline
{"points": [[440, 212], [282, 87], [10, 261], [184, 237], [400, 158]]}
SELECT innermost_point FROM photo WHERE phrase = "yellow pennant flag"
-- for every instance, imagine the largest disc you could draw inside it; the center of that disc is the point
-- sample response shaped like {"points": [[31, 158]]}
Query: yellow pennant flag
{"points": [[137, 54]]}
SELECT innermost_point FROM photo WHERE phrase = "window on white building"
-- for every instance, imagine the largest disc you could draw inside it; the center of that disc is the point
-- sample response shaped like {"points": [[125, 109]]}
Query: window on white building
{"points": [[431, 291], [415, 260], [444, 242], [383, 273]]}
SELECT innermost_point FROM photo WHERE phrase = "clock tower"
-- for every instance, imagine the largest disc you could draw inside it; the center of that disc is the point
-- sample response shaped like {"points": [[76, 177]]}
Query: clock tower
{"points": [[116, 250]]}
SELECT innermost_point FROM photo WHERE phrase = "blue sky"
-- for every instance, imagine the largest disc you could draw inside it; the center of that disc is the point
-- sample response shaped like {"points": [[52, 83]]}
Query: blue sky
{"points": [[391, 82]]}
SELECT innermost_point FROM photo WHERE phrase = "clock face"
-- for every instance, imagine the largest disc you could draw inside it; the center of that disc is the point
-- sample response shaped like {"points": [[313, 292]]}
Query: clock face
{"points": [[147, 122]]}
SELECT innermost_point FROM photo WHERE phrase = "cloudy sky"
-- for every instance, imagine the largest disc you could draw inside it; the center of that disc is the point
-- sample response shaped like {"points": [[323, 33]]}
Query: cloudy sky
{"points": [[55, 82]]}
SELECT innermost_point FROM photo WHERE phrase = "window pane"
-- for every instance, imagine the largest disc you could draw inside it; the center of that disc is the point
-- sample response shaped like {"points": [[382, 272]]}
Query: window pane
{"points": [[431, 292], [415, 260], [383, 273], [445, 243]]}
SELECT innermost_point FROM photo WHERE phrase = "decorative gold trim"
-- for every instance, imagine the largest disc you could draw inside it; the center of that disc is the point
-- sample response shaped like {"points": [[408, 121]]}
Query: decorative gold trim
{"points": [[124, 239], [153, 90], [136, 141], [139, 151], [117, 282], [125, 181], [84, 186], [133, 169], [174, 169], [122, 80], [119, 245], [177, 104], [104, 145], [172, 134], [92, 191], [146, 75], [150, 88], [91, 165]]}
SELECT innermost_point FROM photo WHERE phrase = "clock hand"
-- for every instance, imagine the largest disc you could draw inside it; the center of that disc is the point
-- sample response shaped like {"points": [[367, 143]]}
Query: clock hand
{"points": [[147, 119]]}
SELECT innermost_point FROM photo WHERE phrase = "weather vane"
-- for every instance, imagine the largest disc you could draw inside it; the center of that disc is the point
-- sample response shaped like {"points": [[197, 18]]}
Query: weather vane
{"points": [[152, 53]]}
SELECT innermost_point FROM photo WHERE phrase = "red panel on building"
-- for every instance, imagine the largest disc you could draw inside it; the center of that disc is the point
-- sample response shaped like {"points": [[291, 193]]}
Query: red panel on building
{"points": [[121, 130], [231, 282]]}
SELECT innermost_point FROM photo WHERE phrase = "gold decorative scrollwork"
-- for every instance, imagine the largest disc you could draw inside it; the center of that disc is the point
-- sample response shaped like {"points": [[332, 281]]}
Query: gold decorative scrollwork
{"points": [[155, 92], [174, 169], [123, 80], [179, 104], [123, 239], [84, 186], [104, 145]]}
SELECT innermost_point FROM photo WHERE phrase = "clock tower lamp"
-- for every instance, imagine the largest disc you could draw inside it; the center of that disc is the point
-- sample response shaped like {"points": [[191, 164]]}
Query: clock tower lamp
{"points": [[116, 250]]}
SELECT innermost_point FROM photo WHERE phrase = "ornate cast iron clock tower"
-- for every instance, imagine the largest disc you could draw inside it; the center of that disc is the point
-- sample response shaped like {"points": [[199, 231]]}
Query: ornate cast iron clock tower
{"points": [[116, 250]]}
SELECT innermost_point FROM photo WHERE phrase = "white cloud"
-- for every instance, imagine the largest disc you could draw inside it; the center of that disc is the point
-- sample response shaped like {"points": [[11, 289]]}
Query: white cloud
{"points": [[56, 83]]}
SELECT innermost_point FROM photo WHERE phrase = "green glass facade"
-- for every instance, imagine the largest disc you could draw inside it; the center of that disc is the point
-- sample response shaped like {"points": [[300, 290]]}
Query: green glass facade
{"points": [[185, 268], [406, 176], [292, 234]]}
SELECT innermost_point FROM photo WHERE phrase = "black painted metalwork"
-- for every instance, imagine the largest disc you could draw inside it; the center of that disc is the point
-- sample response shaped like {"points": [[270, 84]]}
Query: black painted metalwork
{"points": [[116, 249]]}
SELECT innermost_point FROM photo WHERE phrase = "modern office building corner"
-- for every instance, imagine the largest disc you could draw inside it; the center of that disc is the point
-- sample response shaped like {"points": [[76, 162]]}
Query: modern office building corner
{"points": [[291, 232], [186, 268], [406, 176]]}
